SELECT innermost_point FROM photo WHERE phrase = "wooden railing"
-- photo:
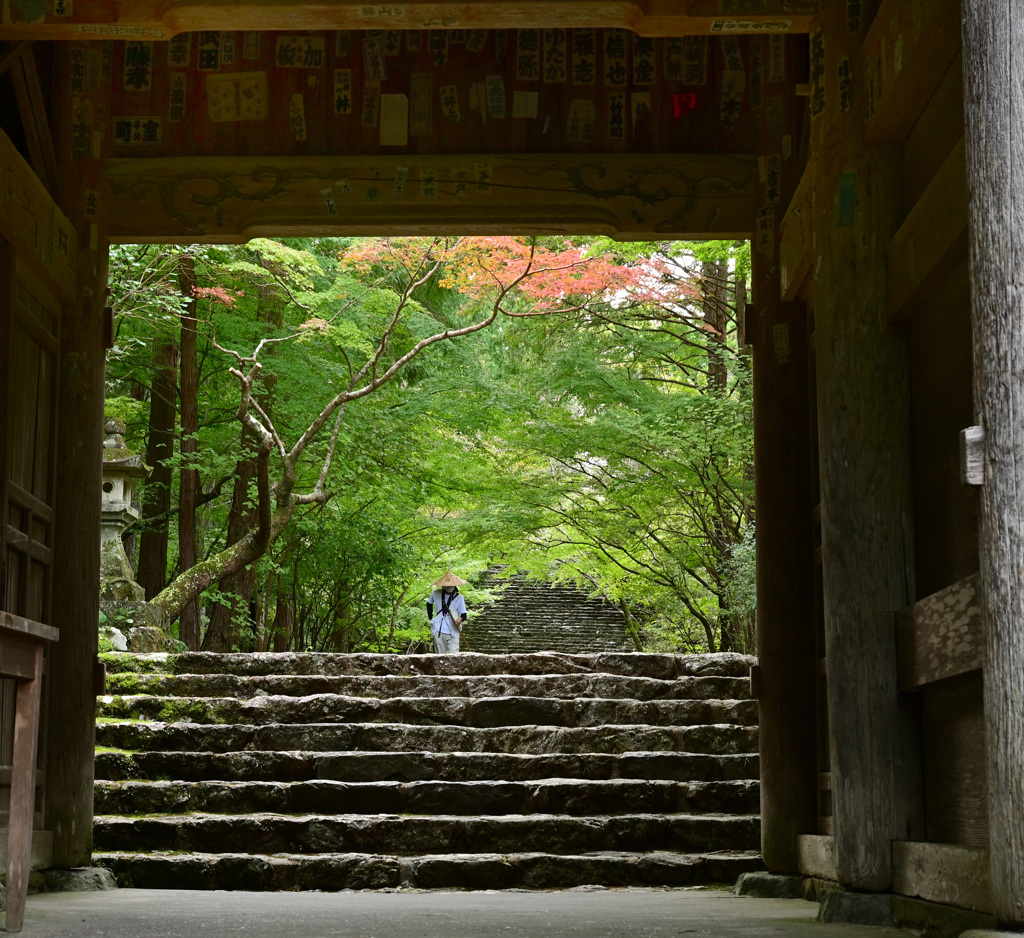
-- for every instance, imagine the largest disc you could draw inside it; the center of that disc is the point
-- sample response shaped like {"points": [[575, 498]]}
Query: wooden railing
{"points": [[21, 658]]}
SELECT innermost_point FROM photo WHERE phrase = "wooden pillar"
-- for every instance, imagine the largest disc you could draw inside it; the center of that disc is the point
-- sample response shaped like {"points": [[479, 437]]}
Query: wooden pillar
{"points": [[865, 466], [70, 732], [782, 492], [993, 37]]}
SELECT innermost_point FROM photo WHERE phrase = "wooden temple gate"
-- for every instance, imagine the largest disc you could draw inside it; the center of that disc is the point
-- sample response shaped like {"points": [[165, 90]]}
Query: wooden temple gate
{"points": [[842, 136]]}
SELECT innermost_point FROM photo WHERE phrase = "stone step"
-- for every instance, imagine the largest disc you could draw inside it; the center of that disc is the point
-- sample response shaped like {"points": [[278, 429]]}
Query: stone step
{"points": [[551, 686], [384, 737], [562, 796], [631, 664], [448, 711], [330, 872], [419, 766], [413, 835]]}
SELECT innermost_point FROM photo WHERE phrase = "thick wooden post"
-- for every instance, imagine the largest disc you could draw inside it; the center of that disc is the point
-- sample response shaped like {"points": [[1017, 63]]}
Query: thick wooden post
{"points": [[864, 432], [782, 491], [993, 41], [70, 732]]}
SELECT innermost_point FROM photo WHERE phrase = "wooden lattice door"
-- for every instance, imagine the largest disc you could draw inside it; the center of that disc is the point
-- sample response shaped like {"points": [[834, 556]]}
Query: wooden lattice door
{"points": [[29, 331]]}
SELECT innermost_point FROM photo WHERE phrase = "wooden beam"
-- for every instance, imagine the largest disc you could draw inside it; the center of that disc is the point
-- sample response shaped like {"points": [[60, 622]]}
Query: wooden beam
{"points": [[933, 234], [863, 382], [37, 122], [939, 129], [633, 196], [795, 238], [946, 873], [904, 58], [940, 636], [154, 19], [32, 222], [783, 500], [12, 53], [817, 856], [994, 115]]}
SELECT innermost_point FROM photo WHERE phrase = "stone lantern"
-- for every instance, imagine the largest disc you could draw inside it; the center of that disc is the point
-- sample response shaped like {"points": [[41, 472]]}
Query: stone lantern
{"points": [[122, 600]]}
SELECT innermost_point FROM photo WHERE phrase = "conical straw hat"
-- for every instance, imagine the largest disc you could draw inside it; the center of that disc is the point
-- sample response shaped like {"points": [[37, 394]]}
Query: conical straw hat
{"points": [[450, 579]]}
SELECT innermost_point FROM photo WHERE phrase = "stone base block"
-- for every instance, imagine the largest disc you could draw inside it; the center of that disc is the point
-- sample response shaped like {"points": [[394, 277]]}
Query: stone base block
{"points": [[78, 879], [770, 886], [855, 908]]}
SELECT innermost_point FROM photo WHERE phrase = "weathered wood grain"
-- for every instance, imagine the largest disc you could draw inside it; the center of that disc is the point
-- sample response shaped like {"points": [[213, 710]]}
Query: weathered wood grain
{"points": [[795, 238], [941, 635], [233, 199], [152, 19], [817, 856], [942, 873], [955, 788], [904, 58], [782, 494], [863, 380], [934, 233], [993, 39], [70, 715], [32, 222], [939, 128]]}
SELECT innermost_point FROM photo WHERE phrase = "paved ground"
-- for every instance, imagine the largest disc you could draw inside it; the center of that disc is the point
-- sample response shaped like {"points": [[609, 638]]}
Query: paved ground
{"points": [[611, 913]]}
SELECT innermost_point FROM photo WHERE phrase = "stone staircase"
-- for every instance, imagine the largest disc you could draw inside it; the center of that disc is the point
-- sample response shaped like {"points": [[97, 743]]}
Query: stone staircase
{"points": [[532, 615], [329, 772]]}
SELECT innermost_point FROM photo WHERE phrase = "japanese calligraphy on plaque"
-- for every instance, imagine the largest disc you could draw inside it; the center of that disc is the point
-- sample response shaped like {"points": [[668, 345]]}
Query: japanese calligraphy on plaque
{"points": [[392, 41], [250, 45], [617, 115], [640, 105], [462, 176], [227, 47], [299, 52], [179, 51], [208, 42], [483, 173], [773, 178], [817, 73], [580, 126], [450, 103], [756, 72], [845, 83], [428, 182], [555, 59], [500, 45], [413, 40], [371, 104], [373, 59], [137, 130], [138, 66], [764, 232], [643, 61], [421, 104], [776, 59], [179, 86], [528, 54], [672, 67], [695, 60], [584, 56], [615, 57], [733, 87], [401, 177], [476, 40], [437, 46], [342, 43], [237, 96], [495, 95], [343, 91], [297, 117], [77, 69]]}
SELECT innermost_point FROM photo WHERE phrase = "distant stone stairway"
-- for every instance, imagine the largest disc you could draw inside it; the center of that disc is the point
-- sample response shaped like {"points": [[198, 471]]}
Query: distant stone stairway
{"points": [[329, 772], [531, 615]]}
